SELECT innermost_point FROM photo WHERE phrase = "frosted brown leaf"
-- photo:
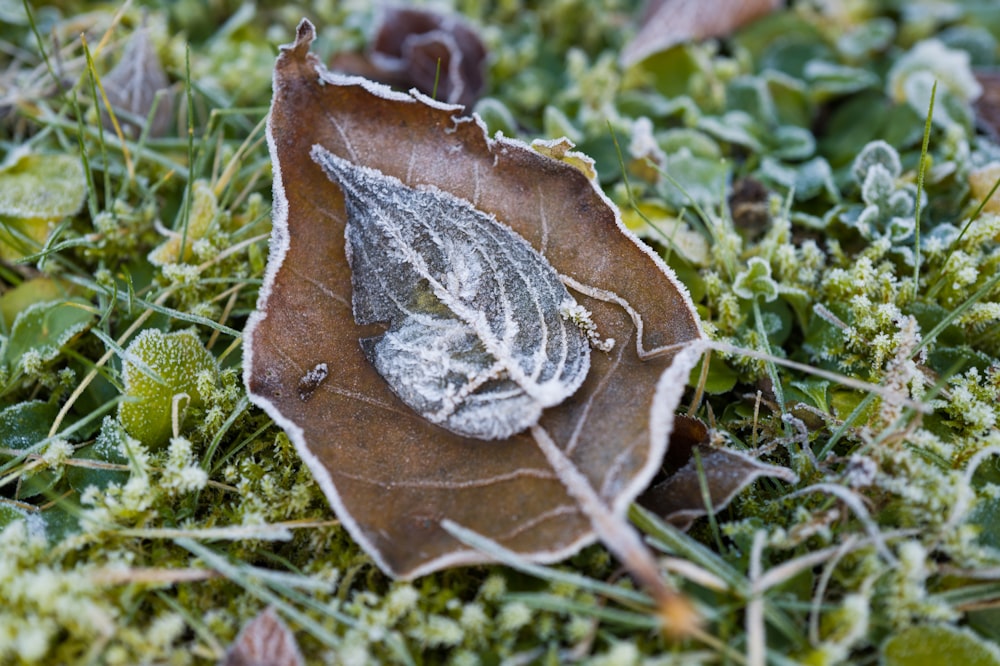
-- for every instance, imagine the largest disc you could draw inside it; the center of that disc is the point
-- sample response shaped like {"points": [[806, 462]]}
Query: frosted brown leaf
{"points": [[391, 474]]}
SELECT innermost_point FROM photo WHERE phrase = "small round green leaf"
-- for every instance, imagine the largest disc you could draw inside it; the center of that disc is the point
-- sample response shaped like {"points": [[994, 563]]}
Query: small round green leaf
{"points": [[938, 644], [160, 367], [42, 186], [756, 281]]}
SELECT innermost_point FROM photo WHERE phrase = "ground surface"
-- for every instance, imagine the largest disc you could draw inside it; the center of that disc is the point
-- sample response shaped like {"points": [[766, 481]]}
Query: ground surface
{"points": [[777, 169]]}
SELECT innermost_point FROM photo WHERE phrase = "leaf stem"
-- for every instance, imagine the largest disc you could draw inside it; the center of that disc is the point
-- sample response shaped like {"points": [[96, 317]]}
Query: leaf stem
{"points": [[920, 190], [677, 613], [706, 498], [772, 370], [189, 193]]}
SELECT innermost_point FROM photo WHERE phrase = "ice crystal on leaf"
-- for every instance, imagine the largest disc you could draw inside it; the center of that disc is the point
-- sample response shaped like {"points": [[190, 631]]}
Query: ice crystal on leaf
{"points": [[183, 473], [756, 281], [889, 205], [930, 60], [161, 382]]}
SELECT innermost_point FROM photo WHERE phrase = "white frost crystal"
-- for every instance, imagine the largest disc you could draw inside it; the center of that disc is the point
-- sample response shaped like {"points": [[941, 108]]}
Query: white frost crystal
{"points": [[477, 341], [913, 76], [580, 316]]}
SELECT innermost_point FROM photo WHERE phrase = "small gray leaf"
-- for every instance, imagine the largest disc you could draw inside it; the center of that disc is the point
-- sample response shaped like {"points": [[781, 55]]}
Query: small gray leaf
{"points": [[265, 641], [478, 339], [134, 83]]}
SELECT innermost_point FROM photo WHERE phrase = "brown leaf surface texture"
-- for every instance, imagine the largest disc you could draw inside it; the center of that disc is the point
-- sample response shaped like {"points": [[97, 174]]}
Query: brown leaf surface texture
{"points": [[678, 498], [438, 54], [264, 641], [392, 476], [987, 106], [669, 22]]}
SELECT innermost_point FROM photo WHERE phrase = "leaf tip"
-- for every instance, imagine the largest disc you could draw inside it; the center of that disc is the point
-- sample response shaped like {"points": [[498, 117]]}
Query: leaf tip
{"points": [[679, 618], [305, 33]]}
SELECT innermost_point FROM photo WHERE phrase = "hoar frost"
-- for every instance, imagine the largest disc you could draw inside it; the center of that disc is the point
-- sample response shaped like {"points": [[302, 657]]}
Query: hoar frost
{"points": [[482, 334], [580, 316]]}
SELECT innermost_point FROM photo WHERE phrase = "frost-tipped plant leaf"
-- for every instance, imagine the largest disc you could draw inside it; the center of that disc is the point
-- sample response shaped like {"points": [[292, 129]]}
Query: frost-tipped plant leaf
{"points": [[391, 474], [669, 22], [101, 463], [9, 513], [679, 497], [133, 85], [59, 523], [54, 523], [21, 427], [26, 423], [264, 641], [44, 328], [202, 216], [95, 466], [38, 482], [982, 180], [36, 290]]}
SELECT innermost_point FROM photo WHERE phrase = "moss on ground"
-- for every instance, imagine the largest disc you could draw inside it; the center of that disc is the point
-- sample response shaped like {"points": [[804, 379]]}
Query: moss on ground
{"points": [[792, 175]]}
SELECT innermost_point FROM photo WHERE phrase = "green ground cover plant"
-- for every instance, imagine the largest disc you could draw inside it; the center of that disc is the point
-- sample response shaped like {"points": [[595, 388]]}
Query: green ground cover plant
{"points": [[822, 180]]}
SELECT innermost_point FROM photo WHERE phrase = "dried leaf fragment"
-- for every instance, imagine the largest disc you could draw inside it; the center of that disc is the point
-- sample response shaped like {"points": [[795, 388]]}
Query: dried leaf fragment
{"points": [[749, 206], [133, 85], [264, 641], [391, 474], [724, 473], [669, 22], [438, 54], [987, 106]]}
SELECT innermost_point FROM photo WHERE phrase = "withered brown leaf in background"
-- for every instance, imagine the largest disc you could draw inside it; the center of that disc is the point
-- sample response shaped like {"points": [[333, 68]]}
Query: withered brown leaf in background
{"points": [[132, 86], [392, 476], [678, 497], [264, 641], [749, 207], [987, 106], [418, 48], [665, 23]]}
